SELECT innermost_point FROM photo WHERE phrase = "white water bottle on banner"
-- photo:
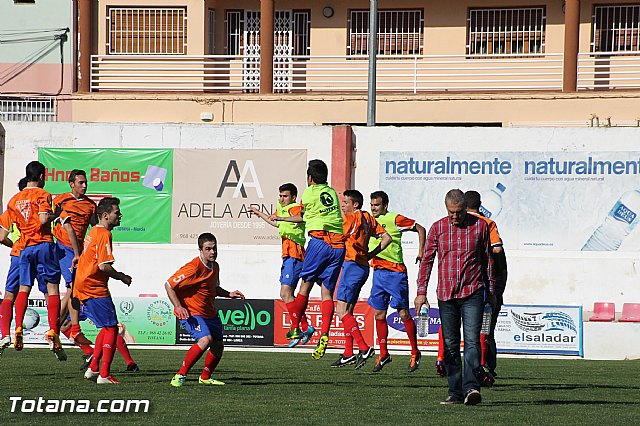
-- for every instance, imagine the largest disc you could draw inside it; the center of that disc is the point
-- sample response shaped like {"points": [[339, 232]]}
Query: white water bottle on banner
{"points": [[422, 322], [492, 201], [486, 319], [621, 220]]}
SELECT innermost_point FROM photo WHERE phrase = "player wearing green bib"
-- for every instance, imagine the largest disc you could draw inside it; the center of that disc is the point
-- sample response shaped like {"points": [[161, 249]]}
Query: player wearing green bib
{"points": [[390, 282], [293, 240], [325, 251]]}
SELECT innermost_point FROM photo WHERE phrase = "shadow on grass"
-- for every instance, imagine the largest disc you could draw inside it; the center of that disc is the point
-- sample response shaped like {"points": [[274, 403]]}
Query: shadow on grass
{"points": [[562, 386], [560, 402]]}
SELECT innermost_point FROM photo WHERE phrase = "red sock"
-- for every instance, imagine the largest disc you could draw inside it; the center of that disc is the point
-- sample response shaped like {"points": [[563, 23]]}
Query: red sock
{"points": [[382, 331], [351, 326], [210, 364], [291, 307], [440, 345], [348, 343], [304, 323], [108, 350], [53, 312], [299, 307], [483, 349], [97, 351], [22, 300], [193, 355], [124, 350], [88, 350], [327, 315], [75, 329], [66, 333], [6, 311], [410, 327]]}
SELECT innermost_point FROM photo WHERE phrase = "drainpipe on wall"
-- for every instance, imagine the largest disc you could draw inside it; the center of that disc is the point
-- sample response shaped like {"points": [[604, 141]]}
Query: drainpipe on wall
{"points": [[266, 46]]}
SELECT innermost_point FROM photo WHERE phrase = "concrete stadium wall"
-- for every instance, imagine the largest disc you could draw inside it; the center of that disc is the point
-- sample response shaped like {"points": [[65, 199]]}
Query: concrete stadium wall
{"points": [[535, 276], [253, 269]]}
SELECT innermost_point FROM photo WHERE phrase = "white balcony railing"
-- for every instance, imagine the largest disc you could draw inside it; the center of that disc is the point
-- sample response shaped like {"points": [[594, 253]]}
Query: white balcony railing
{"points": [[609, 70], [416, 74], [326, 73]]}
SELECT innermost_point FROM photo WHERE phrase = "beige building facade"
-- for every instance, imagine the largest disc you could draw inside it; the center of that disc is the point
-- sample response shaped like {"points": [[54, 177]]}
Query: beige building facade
{"points": [[504, 62]]}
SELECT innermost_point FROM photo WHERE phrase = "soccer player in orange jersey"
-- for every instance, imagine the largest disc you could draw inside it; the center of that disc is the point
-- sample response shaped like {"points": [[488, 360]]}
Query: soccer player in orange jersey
{"points": [[293, 240], [30, 210], [192, 290], [91, 288], [80, 211], [358, 226]]}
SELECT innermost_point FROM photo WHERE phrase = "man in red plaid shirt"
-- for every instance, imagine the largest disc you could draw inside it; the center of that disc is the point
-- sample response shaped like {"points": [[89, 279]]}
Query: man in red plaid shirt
{"points": [[465, 278]]}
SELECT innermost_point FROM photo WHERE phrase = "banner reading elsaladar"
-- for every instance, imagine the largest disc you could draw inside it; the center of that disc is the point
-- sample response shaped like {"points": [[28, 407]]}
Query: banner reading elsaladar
{"points": [[214, 189], [141, 178]]}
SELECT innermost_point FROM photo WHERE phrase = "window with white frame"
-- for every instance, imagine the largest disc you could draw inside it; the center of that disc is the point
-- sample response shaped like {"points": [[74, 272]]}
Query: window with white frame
{"points": [[233, 22], [616, 28], [147, 30], [506, 31], [400, 32]]}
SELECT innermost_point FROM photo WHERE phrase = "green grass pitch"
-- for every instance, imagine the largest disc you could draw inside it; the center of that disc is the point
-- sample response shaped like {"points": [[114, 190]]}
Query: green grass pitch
{"points": [[285, 387]]}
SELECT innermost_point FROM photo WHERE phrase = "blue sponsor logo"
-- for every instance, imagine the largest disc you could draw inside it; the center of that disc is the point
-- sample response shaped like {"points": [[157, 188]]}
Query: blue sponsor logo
{"points": [[394, 321], [623, 213]]}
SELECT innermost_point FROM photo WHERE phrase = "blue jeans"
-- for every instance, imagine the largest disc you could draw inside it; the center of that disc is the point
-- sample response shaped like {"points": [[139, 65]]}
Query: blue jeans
{"points": [[469, 310]]}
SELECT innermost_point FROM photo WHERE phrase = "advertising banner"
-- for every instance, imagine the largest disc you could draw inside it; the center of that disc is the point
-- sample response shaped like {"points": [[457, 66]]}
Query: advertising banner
{"points": [[540, 329], [244, 323], [398, 335], [143, 321], [214, 189], [141, 178], [363, 314], [540, 200]]}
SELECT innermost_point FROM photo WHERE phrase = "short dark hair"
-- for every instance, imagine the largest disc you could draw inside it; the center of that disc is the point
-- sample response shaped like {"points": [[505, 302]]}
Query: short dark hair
{"points": [[34, 170], [473, 199], [205, 238], [22, 184], [106, 205], [289, 187], [74, 173], [455, 197], [355, 195], [380, 194], [318, 171]]}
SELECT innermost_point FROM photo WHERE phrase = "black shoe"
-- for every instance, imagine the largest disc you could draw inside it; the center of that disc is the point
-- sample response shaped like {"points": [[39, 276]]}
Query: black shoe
{"points": [[363, 356], [451, 400], [86, 361], [414, 363], [484, 377], [472, 397], [381, 362], [132, 368], [344, 360]]}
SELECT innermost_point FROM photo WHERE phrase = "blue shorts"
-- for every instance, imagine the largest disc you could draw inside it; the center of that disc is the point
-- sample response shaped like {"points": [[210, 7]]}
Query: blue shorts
{"points": [[322, 263], [353, 277], [101, 311], [65, 256], [389, 285], [39, 261], [290, 271], [199, 327], [13, 277], [82, 313]]}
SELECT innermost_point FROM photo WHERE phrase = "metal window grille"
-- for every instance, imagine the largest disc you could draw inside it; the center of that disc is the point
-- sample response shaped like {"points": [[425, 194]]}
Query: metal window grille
{"points": [[212, 32], [301, 32], [147, 31], [234, 23], [510, 31], [400, 32], [27, 109], [616, 28]]}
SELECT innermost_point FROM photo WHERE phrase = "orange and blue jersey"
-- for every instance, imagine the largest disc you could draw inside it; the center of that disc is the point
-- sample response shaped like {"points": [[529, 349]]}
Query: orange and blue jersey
{"points": [[25, 209], [494, 235], [358, 228], [79, 211], [90, 282], [289, 247], [196, 286], [5, 223], [402, 224]]}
